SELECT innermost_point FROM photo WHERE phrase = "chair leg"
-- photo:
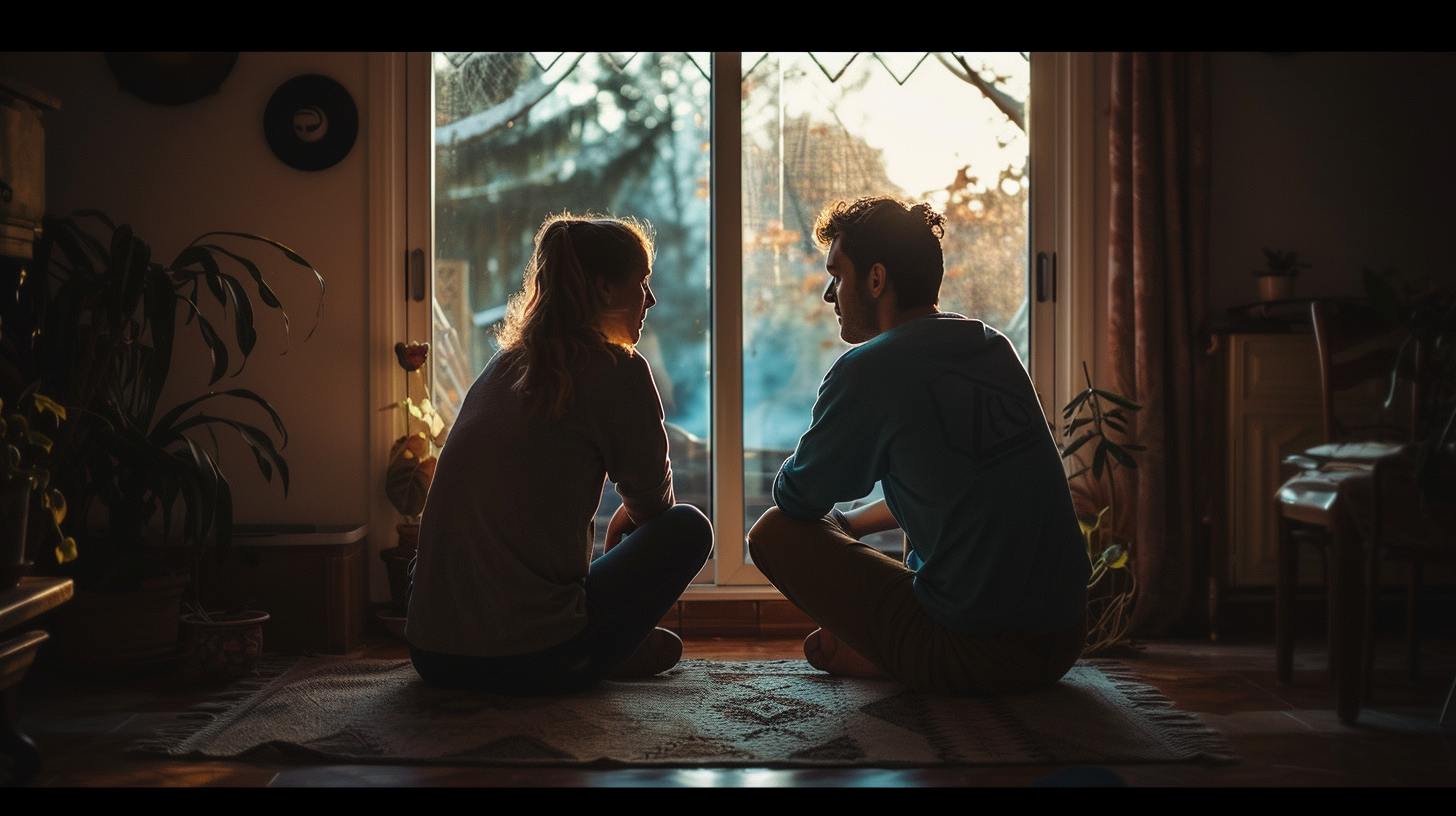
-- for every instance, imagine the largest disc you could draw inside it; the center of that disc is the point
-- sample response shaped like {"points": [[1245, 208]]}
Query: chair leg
{"points": [[1347, 566], [1333, 611], [1412, 636], [1284, 589], [1367, 643]]}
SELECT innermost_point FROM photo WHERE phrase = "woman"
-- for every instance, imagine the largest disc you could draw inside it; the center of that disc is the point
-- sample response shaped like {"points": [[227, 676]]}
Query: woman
{"points": [[504, 595]]}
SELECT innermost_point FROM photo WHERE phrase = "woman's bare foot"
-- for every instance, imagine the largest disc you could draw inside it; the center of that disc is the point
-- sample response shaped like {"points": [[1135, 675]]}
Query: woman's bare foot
{"points": [[657, 654], [828, 653]]}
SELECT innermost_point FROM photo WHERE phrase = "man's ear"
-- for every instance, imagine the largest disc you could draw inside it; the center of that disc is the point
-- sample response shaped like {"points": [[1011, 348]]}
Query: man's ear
{"points": [[878, 280]]}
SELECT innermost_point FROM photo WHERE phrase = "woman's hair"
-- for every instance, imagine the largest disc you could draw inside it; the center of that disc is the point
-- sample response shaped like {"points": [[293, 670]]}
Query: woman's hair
{"points": [[555, 316]]}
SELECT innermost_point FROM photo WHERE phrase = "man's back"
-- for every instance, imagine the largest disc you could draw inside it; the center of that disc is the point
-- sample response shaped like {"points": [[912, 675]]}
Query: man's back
{"points": [[940, 410]]}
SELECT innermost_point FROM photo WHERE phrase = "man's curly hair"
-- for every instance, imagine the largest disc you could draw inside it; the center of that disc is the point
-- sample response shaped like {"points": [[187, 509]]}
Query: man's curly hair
{"points": [[902, 235]]}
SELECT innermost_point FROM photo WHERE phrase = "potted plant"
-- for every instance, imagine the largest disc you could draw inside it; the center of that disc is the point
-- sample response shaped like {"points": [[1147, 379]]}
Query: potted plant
{"points": [[1426, 321], [1094, 417], [410, 471], [96, 324], [1276, 279], [23, 473]]}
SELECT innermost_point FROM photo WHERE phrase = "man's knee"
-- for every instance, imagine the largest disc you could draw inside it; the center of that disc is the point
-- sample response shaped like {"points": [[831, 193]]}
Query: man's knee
{"points": [[769, 534]]}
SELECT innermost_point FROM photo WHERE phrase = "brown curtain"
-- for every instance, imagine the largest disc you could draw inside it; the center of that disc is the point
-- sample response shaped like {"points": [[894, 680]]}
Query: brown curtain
{"points": [[1157, 280]]}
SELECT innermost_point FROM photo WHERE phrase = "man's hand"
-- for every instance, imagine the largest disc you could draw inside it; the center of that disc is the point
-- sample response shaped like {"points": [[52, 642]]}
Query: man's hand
{"points": [[873, 518], [620, 525]]}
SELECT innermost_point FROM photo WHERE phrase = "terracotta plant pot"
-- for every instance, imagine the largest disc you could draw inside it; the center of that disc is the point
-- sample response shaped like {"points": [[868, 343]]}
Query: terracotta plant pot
{"points": [[113, 630], [396, 564], [1275, 287], [227, 645], [409, 536]]}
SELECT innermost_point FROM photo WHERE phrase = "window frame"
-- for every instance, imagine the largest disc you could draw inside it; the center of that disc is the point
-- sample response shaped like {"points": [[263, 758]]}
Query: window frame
{"points": [[401, 219]]}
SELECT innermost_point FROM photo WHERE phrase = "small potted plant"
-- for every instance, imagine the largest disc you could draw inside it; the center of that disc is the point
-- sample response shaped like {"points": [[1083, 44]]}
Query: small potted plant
{"points": [[410, 471], [23, 475], [1276, 279], [1093, 418]]}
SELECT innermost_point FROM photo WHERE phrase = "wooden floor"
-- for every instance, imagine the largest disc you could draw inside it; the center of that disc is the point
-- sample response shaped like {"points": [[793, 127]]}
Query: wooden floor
{"points": [[1283, 735]]}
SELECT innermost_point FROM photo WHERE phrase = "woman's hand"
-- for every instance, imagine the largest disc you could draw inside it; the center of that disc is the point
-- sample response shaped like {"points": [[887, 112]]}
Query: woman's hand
{"points": [[620, 525]]}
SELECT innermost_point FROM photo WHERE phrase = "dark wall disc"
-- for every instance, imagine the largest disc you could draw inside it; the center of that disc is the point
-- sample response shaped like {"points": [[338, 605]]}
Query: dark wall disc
{"points": [[311, 122], [171, 77]]}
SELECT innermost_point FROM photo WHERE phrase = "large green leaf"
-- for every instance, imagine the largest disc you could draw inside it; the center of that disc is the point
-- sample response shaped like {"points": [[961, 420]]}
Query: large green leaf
{"points": [[162, 308], [215, 344], [171, 417], [290, 255], [264, 291], [247, 335], [262, 446]]}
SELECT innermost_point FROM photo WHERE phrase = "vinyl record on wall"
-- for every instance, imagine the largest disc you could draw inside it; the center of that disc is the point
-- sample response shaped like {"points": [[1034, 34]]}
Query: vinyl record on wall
{"points": [[311, 122]]}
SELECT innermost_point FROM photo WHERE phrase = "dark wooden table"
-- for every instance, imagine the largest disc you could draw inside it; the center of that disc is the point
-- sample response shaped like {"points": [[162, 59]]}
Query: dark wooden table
{"points": [[17, 606]]}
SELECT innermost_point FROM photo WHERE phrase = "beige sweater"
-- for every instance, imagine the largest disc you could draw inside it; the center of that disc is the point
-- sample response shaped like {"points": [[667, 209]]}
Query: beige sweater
{"points": [[506, 535]]}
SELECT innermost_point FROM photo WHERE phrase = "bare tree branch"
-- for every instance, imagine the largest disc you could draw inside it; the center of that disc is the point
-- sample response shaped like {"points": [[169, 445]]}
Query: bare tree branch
{"points": [[1014, 108]]}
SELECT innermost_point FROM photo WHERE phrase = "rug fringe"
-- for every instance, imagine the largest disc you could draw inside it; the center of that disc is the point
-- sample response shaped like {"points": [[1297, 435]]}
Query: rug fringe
{"points": [[1185, 729], [168, 738]]}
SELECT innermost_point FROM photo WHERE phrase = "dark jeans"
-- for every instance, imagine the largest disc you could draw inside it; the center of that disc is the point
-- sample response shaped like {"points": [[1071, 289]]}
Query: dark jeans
{"points": [[628, 591]]}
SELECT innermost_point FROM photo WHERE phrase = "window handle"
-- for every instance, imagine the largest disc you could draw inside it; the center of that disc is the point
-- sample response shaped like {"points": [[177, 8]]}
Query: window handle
{"points": [[416, 276], [1046, 277]]}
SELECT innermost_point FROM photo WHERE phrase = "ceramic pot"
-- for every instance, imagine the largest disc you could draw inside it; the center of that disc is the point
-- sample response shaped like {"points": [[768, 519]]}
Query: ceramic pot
{"points": [[1275, 287], [226, 645], [14, 508]]}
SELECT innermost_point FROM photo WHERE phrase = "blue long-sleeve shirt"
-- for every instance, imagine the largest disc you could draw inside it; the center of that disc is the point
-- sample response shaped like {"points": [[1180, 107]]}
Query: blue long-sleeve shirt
{"points": [[941, 411]]}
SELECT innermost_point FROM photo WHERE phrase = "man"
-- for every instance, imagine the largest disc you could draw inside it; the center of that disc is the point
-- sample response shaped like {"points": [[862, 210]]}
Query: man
{"points": [[939, 409]]}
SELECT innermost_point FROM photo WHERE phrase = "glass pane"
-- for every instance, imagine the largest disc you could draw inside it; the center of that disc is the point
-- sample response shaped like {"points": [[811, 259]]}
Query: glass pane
{"points": [[828, 126], [519, 136]]}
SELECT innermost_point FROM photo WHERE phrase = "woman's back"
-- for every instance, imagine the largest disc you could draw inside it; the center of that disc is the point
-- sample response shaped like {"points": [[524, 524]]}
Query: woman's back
{"points": [[506, 536]]}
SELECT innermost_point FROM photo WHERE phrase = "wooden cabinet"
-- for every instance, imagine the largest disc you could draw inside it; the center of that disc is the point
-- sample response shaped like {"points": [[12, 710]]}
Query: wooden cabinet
{"points": [[1273, 392]]}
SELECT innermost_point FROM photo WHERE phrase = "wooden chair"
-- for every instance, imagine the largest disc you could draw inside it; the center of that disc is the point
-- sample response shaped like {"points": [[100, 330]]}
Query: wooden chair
{"points": [[1321, 505]]}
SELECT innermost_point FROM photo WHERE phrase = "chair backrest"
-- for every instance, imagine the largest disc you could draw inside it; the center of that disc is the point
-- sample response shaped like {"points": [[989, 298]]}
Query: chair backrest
{"points": [[1357, 349]]}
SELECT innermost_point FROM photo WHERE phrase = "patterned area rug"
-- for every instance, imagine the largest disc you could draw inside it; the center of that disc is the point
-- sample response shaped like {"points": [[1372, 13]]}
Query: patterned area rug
{"points": [[702, 713]]}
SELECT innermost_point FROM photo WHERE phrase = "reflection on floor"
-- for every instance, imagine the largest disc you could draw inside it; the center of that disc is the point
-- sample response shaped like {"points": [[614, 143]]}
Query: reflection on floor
{"points": [[1284, 735]]}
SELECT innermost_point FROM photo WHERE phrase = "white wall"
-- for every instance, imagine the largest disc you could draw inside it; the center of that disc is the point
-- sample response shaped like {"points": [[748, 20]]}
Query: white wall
{"points": [[1347, 158], [177, 172]]}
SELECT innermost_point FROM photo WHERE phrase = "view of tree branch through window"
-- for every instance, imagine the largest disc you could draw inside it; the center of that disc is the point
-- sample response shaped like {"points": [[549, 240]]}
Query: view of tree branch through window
{"points": [[519, 136]]}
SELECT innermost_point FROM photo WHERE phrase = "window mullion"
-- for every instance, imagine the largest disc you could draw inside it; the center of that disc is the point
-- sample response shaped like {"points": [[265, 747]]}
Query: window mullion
{"points": [[727, 330]]}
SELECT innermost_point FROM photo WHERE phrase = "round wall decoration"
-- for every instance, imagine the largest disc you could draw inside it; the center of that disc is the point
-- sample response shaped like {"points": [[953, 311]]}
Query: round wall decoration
{"points": [[171, 77], [311, 122]]}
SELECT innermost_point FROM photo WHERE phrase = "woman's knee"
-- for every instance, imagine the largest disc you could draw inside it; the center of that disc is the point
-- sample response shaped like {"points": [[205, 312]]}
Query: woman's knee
{"points": [[691, 527]]}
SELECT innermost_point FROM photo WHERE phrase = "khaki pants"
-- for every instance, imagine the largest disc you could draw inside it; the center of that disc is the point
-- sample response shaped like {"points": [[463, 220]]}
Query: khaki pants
{"points": [[867, 600]]}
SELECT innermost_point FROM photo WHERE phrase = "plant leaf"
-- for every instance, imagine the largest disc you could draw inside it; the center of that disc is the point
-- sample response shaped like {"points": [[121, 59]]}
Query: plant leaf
{"points": [[1078, 443], [1117, 399]]}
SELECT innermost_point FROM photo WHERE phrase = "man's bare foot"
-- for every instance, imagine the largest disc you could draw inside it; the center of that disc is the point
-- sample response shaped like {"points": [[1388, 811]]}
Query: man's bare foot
{"points": [[828, 653]]}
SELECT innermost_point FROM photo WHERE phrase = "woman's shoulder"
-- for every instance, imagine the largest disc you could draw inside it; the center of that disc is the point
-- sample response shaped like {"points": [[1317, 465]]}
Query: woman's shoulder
{"points": [[613, 362]]}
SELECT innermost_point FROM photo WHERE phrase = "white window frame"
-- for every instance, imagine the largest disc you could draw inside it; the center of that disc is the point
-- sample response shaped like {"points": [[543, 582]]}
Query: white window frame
{"points": [[401, 218]]}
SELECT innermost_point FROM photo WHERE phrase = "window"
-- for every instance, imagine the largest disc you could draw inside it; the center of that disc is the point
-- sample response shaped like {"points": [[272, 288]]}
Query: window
{"points": [[731, 177]]}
